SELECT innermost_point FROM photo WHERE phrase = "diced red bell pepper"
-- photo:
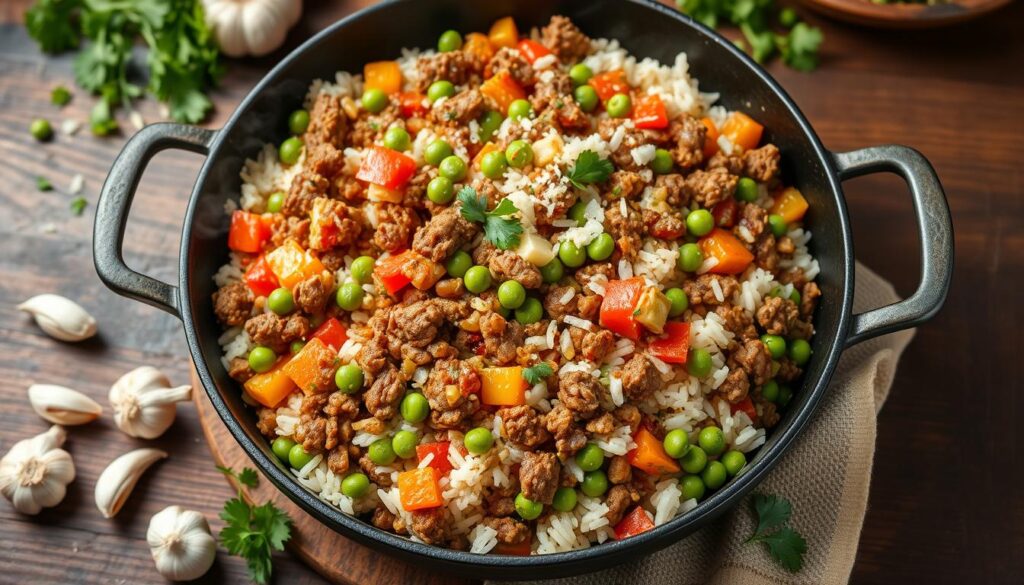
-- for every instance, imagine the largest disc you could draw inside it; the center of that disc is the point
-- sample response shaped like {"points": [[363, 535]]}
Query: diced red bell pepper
{"points": [[674, 345], [440, 451], [385, 167], [636, 522], [649, 112], [617, 308], [609, 83], [389, 272], [725, 213], [410, 103], [532, 50], [519, 550], [248, 232], [747, 406], [332, 333], [260, 278]]}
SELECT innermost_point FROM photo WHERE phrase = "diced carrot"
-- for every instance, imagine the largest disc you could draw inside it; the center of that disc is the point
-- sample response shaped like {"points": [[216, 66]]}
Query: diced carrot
{"points": [[649, 455], [790, 204], [503, 90], [271, 387], [291, 264], [609, 83], [503, 386], [503, 32], [733, 257], [420, 488], [742, 130], [711, 138], [383, 75], [478, 45], [312, 369]]}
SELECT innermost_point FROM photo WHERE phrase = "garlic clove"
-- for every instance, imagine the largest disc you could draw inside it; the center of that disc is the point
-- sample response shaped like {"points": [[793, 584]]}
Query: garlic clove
{"points": [[144, 403], [35, 473], [59, 317], [63, 406], [116, 482], [181, 544]]}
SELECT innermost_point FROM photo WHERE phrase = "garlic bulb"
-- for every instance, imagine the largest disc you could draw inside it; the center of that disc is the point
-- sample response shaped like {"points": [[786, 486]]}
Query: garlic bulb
{"points": [[60, 318], [63, 406], [144, 402], [35, 473], [251, 27], [180, 541], [119, 478]]}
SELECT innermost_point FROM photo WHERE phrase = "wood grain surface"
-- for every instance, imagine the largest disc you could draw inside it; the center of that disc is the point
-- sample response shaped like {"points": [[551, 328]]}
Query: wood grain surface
{"points": [[947, 499]]}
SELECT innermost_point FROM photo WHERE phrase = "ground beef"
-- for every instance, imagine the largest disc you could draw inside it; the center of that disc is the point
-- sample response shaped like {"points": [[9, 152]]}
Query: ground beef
{"points": [[383, 518], [559, 199], [553, 88], [286, 228], [639, 378], [579, 392], [589, 305], [700, 291], [785, 246], [809, 300], [266, 422], [597, 344], [735, 386], [501, 505], [395, 227], [328, 123], [570, 116], [510, 530], [666, 226], [768, 414], [619, 470], [733, 163], [501, 338], [626, 184], [689, 134], [619, 499], [626, 229], [569, 438], [233, 304], [445, 233], [312, 294], [766, 255], [239, 370], [348, 188], [564, 39], [539, 476], [511, 61], [452, 388], [384, 394], [754, 358], [622, 157], [601, 425], [370, 128], [738, 321], [629, 415], [801, 329], [333, 224], [431, 526], [453, 66], [412, 328], [459, 109], [276, 332], [762, 164], [776, 315], [311, 433], [553, 305], [589, 271], [507, 265], [381, 478], [676, 193], [523, 426], [306, 186], [709, 188], [338, 460]]}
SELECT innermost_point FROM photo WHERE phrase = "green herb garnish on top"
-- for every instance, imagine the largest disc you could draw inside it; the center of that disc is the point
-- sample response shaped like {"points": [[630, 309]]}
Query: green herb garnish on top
{"points": [[785, 545], [589, 168], [253, 532], [499, 229], [535, 374]]}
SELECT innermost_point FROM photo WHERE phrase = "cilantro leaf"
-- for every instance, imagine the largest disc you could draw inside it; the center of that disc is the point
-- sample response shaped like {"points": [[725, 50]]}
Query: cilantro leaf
{"points": [[474, 207], [273, 523], [43, 184], [60, 96], [787, 547], [101, 120], [253, 532], [535, 374], [246, 477], [50, 23], [501, 231], [800, 48], [78, 205], [589, 168], [772, 512]]}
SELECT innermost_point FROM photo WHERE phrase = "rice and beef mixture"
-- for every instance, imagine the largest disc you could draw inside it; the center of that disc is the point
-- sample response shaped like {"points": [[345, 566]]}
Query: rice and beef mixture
{"points": [[519, 295]]}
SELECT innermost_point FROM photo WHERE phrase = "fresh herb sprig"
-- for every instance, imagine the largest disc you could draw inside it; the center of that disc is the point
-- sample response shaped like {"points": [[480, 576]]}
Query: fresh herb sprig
{"points": [[78, 205], [785, 545], [499, 229], [44, 184], [589, 168], [535, 374], [253, 532]]}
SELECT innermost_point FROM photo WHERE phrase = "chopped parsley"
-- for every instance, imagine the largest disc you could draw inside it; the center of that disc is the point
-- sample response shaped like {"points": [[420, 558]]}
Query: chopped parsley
{"points": [[78, 205], [785, 545], [535, 374], [43, 184], [60, 96], [253, 532], [500, 230], [589, 168]]}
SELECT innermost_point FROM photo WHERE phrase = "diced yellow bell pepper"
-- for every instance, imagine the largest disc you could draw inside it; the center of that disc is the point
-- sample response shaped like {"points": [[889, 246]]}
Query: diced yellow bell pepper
{"points": [[503, 386], [503, 32], [383, 75], [790, 204], [270, 388], [292, 264]]}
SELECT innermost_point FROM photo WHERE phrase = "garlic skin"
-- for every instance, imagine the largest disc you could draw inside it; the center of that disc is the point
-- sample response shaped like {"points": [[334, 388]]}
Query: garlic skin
{"points": [[63, 406], [144, 402], [35, 473], [60, 318], [251, 27], [180, 541], [118, 480]]}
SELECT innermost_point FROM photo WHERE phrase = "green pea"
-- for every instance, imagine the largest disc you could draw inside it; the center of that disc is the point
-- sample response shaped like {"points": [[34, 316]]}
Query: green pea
{"points": [[298, 458], [362, 269], [746, 190], [712, 440], [414, 407], [40, 129], [662, 163], [281, 446], [519, 153], [530, 312], [511, 294], [700, 222], [355, 485], [404, 444], [397, 138], [676, 443], [564, 500], [494, 164], [478, 441], [795, 297], [437, 151], [571, 255], [280, 301], [275, 202], [489, 124], [349, 379], [799, 351], [526, 508], [453, 168], [770, 391], [776, 345], [698, 363], [577, 213], [261, 359], [692, 487], [374, 100], [680, 302], [733, 462], [785, 395], [458, 264], [519, 109], [694, 460], [601, 248], [690, 257], [590, 457], [349, 296], [450, 40], [586, 98], [381, 453], [440, 190], [290, 150], [296, 346], [595, 483], [619, 105], [440, 89], [580, 73], [552, 271], [298, 121], [778, 225], [714, 475], [788, 17], [477, 279]]}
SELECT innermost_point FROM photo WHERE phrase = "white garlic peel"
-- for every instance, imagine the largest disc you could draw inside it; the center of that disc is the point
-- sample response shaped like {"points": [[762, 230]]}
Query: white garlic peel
{"points": [[60, 318], [251, 27], [63, 406], [35, 473], [180, 541], [119, 478], [145, 403]]}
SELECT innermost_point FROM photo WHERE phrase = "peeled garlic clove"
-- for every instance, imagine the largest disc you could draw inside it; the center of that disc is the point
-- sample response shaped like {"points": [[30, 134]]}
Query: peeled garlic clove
{"points": [[144, 402], [35, 473], [119, 478], [180, 541], [59, 317], [63, 406]]}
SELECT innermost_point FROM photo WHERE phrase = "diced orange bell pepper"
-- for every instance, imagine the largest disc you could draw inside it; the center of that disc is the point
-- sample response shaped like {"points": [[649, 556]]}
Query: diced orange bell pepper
{"points": [[332, 333], [532, 50], [389, 273], [711, 138], [620, 299], [733, 257], [439, 450], [385, 167], [312, 369], [503, 90], [609, 83], [636, 522], [260, 278], [271, 387], [746, 405], [503, 32], [649, 112], [291, 264], [248, 232], [478, 45], [383, 75], [420, 489], [410, 104], [522, 549], [503, 386], [790, 204], [724, 213], [487, 148], [742, 130], [673, 346], [649, 455]]}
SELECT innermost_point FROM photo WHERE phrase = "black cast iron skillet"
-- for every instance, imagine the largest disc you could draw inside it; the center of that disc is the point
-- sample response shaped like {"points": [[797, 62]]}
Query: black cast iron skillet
{"points": [[646, 29]]}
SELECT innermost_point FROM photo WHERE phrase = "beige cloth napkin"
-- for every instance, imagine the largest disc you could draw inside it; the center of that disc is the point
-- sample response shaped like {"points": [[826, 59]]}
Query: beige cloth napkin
{"points": [[825, 474]]}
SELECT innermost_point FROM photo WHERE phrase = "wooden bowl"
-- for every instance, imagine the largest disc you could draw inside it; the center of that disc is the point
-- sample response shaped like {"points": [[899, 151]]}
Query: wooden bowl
{"points": [[903, 15]]}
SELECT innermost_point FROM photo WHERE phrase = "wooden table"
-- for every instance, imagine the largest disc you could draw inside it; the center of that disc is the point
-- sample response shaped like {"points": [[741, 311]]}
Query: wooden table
{"points": [[947, 502]]}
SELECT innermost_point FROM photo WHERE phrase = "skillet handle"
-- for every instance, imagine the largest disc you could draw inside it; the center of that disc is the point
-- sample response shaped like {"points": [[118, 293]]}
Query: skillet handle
{"points": [[933, 223], [115, 202]]}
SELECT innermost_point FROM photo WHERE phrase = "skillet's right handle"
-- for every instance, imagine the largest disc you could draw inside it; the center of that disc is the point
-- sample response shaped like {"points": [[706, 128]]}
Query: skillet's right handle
{"points": [[936, 230]]}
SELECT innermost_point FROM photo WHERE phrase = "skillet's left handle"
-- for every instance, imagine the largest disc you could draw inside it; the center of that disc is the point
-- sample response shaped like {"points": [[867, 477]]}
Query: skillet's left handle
{"points": [[936, 230], [116, 200]]}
